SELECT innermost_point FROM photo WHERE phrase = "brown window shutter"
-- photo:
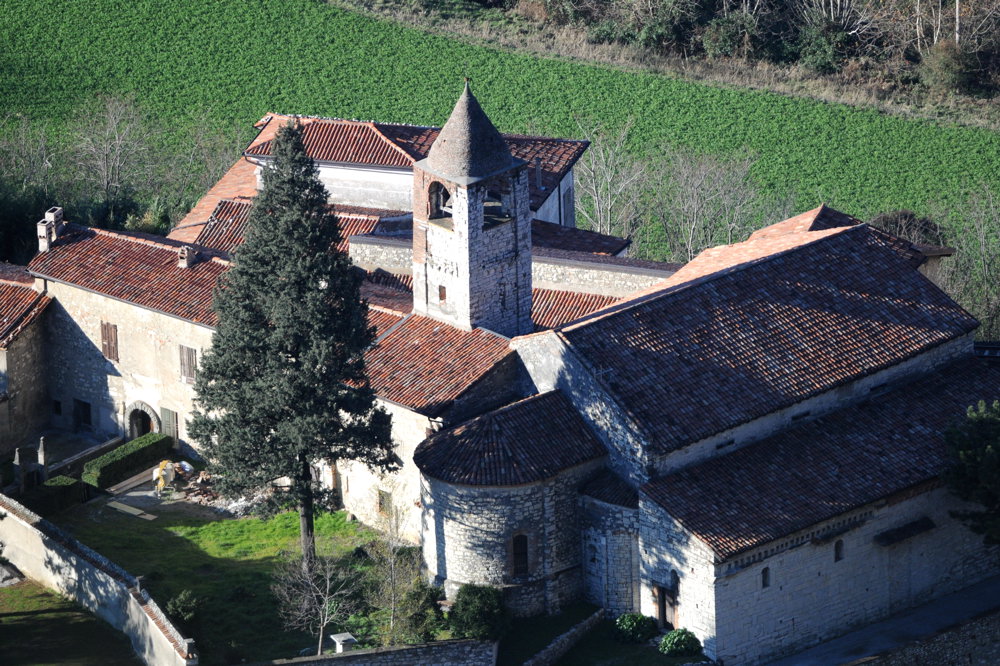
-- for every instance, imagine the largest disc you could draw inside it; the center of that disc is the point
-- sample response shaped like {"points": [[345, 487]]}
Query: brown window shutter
{"points": [[104, 339], [113, 341], [168, 417], [189, 363]]}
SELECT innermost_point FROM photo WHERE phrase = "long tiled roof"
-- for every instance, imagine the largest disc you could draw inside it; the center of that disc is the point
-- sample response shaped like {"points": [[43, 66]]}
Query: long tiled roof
{"points": [[133, 268], [611, 488], [227, 224], [822, 469], [425, 365], [528, 441], [554, 236], [703, 356], [392, 145], [817, 219], [20, 305]]}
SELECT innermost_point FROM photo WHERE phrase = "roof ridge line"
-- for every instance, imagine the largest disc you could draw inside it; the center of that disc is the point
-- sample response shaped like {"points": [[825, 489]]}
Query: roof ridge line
{"points": [[493, 412], [670, 290], [396, 146], [154, 244]]}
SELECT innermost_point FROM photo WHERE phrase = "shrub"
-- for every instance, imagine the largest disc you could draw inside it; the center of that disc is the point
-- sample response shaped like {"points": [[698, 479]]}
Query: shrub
{"points": [[421, 612], [126, 460], [819, 49], [635, 627], [680, 643], [945, 68], [479, 613], [730, 36], [183, 608], [55, 495]]}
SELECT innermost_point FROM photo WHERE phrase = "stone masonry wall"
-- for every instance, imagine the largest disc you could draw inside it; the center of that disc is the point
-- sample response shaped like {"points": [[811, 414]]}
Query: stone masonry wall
{"points": [[359, 485], [551, 364], [441, 653], [666, 547], [26, 408], [57, 561], [565, 641], [148, 370], [467, 532], [610, 542], [813, 597], [974, 643]]}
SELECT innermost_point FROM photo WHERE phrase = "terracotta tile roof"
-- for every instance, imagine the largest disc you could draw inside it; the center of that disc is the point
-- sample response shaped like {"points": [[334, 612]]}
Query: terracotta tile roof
{"points": [[392, 145], [15, 274], [822, 469], [531, 440], [609, 487], [551, 308], [708, 354], [817, 219], [227, 224], [133, 268], [20, 305], [548, 235], [382, 319], [425, 365]]}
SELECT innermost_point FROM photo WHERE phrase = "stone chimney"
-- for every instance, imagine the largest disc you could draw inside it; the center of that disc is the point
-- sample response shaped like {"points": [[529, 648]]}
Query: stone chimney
{"points": [[49, 228], [186, 256]]}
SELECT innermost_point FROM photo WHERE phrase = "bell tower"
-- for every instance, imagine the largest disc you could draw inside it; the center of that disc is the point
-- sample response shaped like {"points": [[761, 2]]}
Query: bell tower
{"points": [[472, 227]]}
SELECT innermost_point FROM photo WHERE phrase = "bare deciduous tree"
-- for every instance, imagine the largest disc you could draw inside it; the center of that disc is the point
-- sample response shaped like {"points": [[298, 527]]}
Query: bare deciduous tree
{"points": [[701, 201], [610, 182], [395, 571], [113, 149], [26, 154], [310, 598]]}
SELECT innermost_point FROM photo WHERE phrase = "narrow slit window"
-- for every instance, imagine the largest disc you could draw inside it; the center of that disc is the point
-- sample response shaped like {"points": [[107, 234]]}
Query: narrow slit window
{"points": [[765, 577], [838, 550], [519, 552], [442, 293]]}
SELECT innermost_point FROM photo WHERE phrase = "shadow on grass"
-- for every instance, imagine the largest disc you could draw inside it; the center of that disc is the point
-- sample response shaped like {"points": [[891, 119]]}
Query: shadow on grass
{"points": [[226, 563], [38, 627]]}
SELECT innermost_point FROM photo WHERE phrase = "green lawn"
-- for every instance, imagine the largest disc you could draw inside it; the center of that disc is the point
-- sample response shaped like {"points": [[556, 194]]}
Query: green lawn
{"points": [[530, 635], [230, 61], [39, 628], [226, 563], [601, 648]]}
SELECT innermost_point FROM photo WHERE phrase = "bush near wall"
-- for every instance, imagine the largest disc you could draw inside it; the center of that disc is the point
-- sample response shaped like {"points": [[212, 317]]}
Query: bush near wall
{"points": [[126, 460], [55, 495]]}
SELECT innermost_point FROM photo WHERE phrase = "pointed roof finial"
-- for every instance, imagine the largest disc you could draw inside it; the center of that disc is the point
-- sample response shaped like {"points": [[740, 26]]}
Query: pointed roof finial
{"points": [[469, 147]]}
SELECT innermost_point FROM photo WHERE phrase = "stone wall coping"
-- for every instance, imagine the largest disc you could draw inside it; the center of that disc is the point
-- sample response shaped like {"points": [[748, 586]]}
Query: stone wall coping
{"points": [[322, 658]]}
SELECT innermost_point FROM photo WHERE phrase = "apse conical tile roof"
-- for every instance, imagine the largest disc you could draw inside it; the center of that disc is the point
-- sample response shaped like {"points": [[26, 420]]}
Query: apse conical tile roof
{"points": [[469, 148]]}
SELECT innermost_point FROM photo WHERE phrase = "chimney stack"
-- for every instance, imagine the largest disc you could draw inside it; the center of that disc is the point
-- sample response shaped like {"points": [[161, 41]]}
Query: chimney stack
{"points": [[186, 256], [49, 228]]}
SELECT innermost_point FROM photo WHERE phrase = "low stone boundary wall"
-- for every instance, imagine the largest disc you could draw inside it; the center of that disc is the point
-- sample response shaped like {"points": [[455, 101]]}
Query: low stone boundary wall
{"points": [[73, 466], [976, 642], [440, 653], [565, 642], [46, 554]]}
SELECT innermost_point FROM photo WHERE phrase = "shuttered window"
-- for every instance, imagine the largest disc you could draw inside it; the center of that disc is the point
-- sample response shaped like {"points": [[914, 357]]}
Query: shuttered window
{"points": [[168, 420], [189, 364], [109, 341]]}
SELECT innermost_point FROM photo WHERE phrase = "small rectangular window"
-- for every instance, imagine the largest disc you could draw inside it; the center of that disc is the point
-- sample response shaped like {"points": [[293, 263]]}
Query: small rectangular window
{"points": [[81, 414], [57, 407], [519, 554], [189, 364], [109, 341], [442, 293], [384, 502]]}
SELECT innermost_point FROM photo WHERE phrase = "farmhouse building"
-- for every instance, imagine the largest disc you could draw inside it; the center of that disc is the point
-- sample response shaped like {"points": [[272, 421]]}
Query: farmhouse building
{"points": [[748, 445]]}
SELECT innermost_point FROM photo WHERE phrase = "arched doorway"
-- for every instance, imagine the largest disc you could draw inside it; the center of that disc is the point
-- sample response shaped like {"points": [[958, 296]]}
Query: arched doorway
{"points": [[141, 420]]}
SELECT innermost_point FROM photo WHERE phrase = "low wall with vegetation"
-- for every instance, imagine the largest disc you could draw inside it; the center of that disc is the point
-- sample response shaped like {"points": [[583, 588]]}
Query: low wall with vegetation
{"points": [[565, 642], [52, 558], [440, 653]]}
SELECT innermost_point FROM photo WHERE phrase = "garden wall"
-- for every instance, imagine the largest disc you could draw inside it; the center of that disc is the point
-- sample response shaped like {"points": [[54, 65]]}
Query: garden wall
{"points": [[441, 653], [565, 641], [52, 558]]}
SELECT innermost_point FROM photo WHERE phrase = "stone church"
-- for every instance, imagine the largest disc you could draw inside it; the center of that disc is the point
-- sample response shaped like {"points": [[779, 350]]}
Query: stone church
{"points": [[748, 445]]}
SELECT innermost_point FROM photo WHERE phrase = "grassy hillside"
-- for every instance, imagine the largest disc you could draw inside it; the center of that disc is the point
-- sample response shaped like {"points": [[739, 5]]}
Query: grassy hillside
{"points": [[231, 61]]}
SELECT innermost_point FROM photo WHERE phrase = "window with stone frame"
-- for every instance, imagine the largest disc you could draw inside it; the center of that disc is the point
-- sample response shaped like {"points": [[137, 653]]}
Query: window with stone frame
{"points": [[384, 502], [109, 341], [520, 560], [765, 577], [838, 550], [189, 364]]}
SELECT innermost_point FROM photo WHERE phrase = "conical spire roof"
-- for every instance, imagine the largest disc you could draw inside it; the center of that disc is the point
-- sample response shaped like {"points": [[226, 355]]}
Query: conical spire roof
{"points": [[469, 147]]}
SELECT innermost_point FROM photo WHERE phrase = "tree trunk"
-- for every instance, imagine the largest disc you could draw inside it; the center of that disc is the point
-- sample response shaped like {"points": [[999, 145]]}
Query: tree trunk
{"points": [[319, 647], [306, 527]]}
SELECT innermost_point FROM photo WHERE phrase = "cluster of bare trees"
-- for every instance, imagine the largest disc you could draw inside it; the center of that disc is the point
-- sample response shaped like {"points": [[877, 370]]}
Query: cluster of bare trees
{"points": [[672, 204], [113, 169], [821, 34], [675, 203]]}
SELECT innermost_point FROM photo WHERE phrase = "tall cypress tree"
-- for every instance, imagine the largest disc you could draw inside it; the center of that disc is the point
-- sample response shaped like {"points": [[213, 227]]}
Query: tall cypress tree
{"points": [[283, 385]]}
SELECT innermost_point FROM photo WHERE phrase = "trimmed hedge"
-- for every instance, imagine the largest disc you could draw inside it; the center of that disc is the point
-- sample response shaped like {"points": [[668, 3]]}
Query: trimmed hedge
{"points": [[680, 643], [55, 495], [479, 613], [126, 460], [635, 627]]}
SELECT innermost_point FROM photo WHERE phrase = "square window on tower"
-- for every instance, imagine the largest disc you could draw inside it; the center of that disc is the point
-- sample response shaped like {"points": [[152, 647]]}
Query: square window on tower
{"points": [[442, 293]]}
